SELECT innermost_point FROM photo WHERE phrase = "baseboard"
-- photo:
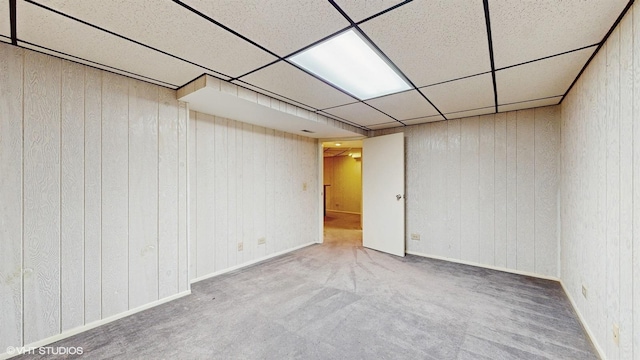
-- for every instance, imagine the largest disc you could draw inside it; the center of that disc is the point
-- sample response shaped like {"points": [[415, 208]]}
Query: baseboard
{"points": [[94, 324], [583, 322], [249, 263], [344, 212], [498, 268]]}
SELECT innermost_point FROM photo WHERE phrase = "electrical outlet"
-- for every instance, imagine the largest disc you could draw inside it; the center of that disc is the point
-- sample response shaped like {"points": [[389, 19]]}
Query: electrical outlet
{"points": [[240, 246], [262, 240], [584, 291], [415, 237], [616, 334]]}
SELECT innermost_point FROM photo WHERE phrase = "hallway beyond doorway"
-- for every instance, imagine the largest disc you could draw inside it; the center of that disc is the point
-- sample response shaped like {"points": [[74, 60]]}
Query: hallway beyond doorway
{"points": [[342, 229]]}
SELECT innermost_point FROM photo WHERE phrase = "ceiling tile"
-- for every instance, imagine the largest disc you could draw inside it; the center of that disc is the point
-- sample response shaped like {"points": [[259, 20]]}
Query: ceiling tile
{"points": [[360, 113], [165, 25], [287, 80], [468, 113], [45, 28], [360, 10], [530, 104], [469, 93], [404, 105], [423, 120], [529, 30], [5, 20], [434, 41], [280, 26], [271, 95], [385, 126], [540, 79]]}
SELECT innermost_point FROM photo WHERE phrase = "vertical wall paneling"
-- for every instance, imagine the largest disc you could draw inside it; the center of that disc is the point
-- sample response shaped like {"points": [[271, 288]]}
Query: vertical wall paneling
{"points": [[41, 196], [269, 182], [500, 190], [240, 169], [11, 88], [636, 180], [143, 193], [183, 258], [280, 191], [192, 146], [247, 192], [547, 146], [234, 158], [469, 147], [221, 154], [72, 196], [453, 189], [511, 192], [486, 188], [259, 189], [92, 195], [115, 194], [626, 187], [612, 170], [525, 190], [205, 132], [438, 189], [168, 192]]}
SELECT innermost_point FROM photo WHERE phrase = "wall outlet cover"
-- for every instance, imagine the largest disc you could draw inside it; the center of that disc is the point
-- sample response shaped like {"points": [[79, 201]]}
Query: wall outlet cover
{"points": [[415, 237], [240, 247], [584, 291], [262, 240]]}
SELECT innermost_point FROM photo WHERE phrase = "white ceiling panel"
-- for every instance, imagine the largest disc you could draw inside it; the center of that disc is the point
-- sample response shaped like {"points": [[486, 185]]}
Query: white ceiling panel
{"points": [[434, 41], [530, 104], [45, 28], [287, 80], [470, 93], [385, 126], [423, 120], [164, 25], [360, 113], [540, 79], [280, 26], [404, 105], [92, 64], [360, 10], [532, 29], [468, 113], [5, 19]]}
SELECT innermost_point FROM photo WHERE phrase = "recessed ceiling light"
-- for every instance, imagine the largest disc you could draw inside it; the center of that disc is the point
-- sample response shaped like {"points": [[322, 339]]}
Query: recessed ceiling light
{"points": [[350, 63], [338, 144]]}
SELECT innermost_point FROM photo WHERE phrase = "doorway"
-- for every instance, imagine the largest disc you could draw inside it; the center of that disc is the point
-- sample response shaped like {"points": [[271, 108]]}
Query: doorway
{"points": [[342, 180]]}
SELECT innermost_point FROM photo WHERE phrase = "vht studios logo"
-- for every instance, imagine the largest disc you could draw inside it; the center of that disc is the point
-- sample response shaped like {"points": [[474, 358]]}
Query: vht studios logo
{"points": [[45, 350]]}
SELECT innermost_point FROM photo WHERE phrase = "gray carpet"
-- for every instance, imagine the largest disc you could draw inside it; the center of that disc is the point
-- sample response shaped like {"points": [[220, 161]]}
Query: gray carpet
{"points": [[342, 301]]}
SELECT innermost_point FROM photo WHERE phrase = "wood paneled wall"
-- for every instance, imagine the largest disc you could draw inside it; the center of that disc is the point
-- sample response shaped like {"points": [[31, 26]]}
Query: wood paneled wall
{"points": [[600, 204], [246, 183], [92, 195], [344, 174], [484, 189]]}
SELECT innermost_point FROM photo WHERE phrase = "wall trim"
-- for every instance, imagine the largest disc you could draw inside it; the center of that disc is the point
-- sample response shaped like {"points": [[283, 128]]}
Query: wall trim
{"points": [[344, 212], [583, 322], [252, 262], [96, 324], [498, 268]]}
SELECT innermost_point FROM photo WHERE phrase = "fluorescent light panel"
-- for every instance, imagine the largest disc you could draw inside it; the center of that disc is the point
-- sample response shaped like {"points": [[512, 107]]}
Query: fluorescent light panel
{"points": [[348, 62]]}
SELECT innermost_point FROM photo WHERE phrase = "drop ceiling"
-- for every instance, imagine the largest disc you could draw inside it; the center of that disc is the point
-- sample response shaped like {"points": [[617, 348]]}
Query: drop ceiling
{"points": [[462, 57]]}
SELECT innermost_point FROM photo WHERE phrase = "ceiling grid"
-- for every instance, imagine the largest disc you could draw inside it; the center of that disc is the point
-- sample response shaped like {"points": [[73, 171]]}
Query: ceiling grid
{"points": [[460, 57]]}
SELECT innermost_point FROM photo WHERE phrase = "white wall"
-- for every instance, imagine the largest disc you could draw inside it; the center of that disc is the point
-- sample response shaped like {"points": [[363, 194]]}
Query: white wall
{"points": [[600, 188], [247, 182], [92, 195], [484, 189]]}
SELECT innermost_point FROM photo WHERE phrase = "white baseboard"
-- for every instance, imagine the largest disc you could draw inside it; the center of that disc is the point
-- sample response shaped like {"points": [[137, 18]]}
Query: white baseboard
{"points": [[94, 324], [498, 268], [252, 262], [584, 323]]}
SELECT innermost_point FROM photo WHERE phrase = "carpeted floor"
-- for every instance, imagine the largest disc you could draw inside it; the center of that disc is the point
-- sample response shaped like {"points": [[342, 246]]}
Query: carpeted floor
{"points": [[339, 300]]}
